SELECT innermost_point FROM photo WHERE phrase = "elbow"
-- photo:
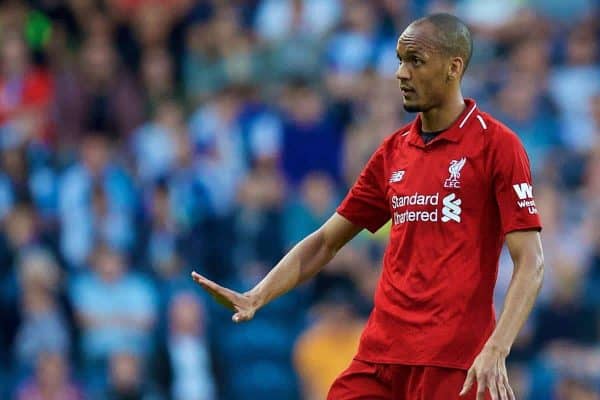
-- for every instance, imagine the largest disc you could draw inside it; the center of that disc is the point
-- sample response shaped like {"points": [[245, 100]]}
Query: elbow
{"points": [[329, 247], [530, 266]]}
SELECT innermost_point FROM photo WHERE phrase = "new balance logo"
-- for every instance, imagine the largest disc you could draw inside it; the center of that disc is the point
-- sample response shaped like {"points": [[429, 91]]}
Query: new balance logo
{"points": [[397, 176], [523, 190], [451, 210]]}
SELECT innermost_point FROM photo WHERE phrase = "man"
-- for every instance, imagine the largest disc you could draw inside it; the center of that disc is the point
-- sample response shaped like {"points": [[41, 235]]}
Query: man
{"points": [[455, 183]]}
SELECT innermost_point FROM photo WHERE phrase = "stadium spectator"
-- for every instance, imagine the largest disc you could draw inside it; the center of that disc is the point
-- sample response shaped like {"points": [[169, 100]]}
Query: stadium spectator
{"points": [[126, 379], [26, 92], [579, 78], [218, 144], [187, 134], [158, 79], [312, 136], [115, 309], [96, 201], [51, 381], [329, 344], [313, 203], [98, 94], [183, 359], [43, 322]]}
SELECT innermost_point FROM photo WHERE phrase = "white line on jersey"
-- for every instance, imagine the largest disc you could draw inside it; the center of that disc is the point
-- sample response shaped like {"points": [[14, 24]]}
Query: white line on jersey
{"points": [[482, 122], [467, 116]]}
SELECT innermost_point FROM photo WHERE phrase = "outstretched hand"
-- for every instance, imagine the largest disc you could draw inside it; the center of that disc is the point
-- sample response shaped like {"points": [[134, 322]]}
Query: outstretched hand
{"points": [[242, 304], [489, 373]]}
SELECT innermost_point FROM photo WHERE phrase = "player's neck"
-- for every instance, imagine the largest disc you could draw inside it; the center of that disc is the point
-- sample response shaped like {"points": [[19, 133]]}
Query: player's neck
{"points": [[440, 118]]}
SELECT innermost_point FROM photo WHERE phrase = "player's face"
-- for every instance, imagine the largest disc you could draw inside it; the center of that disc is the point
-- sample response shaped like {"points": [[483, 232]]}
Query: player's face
{"points": [[422, 72]]}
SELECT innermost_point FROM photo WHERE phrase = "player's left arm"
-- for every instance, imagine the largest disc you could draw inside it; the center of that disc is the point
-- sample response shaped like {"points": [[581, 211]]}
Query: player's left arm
{"points": [[489, 368], [525, 249]]}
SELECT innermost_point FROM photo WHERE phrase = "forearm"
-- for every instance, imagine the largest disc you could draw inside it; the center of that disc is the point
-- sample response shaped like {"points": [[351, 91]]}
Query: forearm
{"points": [[520, 298], [300, 264]]}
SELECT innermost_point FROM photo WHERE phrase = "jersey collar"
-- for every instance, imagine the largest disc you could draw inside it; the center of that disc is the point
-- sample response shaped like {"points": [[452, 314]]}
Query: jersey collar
{"points": [[453, 134]]}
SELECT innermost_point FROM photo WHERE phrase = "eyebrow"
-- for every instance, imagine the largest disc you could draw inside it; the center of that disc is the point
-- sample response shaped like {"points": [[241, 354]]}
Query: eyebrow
{"points": [[411, 52]]}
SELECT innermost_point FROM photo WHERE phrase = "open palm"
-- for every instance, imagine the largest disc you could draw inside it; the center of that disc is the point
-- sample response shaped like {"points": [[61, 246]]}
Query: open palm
{"points": [[241, 303]]}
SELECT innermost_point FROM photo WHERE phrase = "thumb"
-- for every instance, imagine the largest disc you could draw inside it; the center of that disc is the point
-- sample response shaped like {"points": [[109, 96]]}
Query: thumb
{"points": [[241, 317], [468, 383]]}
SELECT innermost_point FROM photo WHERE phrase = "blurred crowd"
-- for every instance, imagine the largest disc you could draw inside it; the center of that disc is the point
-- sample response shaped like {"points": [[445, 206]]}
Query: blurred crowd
{"points": [[141, 139]]}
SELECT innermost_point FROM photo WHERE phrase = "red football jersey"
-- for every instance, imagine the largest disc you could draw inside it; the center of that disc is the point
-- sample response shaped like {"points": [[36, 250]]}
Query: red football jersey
{"points": [[451, 201]]}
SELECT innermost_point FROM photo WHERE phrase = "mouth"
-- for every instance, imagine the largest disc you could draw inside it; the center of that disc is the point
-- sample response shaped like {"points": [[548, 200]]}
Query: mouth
{"points": [[407, 91]]}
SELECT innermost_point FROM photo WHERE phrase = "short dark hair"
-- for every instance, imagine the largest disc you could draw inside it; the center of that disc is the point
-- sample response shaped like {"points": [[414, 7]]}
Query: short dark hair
{"points": [[452, 35]]}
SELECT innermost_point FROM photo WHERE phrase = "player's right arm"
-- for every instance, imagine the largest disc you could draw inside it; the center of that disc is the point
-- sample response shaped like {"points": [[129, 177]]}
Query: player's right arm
{"points": [[300, 264], [365, 206]]}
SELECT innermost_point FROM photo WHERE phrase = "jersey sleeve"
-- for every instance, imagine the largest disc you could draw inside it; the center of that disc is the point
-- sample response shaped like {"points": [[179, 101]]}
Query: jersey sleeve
{"points": [[513, 185], [365, 205]]}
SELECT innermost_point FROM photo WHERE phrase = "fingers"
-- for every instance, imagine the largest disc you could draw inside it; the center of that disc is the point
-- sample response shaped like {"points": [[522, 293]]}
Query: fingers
{"points": [[223, 296], [502, 391], [243, 314], [212, 286], [468, 382], [228, 298], [493, 386], [502, 380], [481, 386], [507, 393], [489, 372], [497, 384], [241, 317], [196, 276], [207, 283], [511, 394], [202, 281]]}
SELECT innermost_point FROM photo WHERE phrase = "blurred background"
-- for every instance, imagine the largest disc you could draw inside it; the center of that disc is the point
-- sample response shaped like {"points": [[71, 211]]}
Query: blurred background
{"points": [[141, 139]]}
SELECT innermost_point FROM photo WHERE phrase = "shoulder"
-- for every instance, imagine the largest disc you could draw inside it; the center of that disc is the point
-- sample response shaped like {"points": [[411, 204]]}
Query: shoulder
{"points": [[498, 134], [396, 139]]}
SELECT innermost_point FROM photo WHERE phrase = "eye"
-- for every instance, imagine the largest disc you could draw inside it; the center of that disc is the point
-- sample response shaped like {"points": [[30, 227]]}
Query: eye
{"points": [[416, 61]]}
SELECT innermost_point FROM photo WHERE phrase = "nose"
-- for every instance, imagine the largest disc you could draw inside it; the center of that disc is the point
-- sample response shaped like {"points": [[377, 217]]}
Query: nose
{"points": [[402, 72]]}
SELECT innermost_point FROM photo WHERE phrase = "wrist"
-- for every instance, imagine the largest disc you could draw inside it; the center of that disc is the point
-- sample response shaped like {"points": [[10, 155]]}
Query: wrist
{"points": [[498, 348], [257, 299]]}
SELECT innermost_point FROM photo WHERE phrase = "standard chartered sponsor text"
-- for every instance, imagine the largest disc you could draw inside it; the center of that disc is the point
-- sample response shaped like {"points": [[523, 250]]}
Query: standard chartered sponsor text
{"points": [[416, 199], [412, 216]]}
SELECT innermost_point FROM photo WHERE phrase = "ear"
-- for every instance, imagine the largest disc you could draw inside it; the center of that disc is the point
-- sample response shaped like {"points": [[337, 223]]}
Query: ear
{"points": [[455, 68]]}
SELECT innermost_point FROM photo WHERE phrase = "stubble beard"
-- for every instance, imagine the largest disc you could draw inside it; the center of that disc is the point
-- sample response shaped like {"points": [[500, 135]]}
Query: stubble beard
{"points": [[412, 108]]}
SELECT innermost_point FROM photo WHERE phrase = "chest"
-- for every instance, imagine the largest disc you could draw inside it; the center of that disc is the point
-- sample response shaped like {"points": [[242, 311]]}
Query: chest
{"points": [[437, 184]]}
